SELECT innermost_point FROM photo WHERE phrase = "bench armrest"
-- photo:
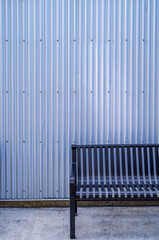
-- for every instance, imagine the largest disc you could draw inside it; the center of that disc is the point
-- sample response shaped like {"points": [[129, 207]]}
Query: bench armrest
{"points": [[73, 174]]}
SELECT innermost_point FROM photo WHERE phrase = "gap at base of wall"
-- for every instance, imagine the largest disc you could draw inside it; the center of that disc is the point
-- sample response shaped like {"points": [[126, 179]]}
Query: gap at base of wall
{"points": [[66, 203]]}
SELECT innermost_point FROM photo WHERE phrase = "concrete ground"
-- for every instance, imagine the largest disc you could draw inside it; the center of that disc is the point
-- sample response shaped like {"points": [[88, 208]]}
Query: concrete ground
{"points": [[91, 223]]}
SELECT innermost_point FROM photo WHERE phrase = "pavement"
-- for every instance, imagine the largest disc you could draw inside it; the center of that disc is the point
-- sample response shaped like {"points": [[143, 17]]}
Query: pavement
{"points": [[91, 223]]}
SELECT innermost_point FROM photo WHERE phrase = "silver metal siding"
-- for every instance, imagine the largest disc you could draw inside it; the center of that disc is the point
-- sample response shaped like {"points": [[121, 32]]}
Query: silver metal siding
{"points": [[72, 71]]}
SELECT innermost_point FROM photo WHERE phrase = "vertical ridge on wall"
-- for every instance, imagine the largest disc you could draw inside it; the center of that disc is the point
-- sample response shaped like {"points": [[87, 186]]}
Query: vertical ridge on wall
{"points": [[72, 72]]}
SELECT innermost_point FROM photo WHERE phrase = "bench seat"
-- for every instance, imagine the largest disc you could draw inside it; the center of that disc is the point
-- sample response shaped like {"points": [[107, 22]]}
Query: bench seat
{"points": [[116, 191]]}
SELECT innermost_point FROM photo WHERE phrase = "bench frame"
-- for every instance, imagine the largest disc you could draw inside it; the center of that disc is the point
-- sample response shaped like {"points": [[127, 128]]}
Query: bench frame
{"points": [[74, 199]]}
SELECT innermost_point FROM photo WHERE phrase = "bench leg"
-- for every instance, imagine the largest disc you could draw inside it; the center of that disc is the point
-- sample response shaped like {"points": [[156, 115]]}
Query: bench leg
{"points": [[72, 212], [75, 208]]}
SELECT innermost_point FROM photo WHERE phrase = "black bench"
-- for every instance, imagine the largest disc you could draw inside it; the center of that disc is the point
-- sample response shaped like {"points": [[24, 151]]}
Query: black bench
{"points": [[113, 172]]}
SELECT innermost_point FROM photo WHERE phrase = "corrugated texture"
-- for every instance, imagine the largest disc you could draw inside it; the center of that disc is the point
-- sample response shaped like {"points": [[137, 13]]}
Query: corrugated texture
{"points": [[72, 72]]}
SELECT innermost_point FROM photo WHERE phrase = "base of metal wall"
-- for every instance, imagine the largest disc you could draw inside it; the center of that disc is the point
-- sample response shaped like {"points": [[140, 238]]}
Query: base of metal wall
{"points": [[66, 203]]}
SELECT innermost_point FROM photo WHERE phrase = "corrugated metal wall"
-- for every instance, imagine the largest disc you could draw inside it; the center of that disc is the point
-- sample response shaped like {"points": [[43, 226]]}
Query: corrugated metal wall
{"points": [[72, 71]]}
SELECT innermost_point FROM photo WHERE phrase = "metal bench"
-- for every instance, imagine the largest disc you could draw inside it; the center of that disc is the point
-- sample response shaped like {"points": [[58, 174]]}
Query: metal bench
{"points": [[113, 172]]}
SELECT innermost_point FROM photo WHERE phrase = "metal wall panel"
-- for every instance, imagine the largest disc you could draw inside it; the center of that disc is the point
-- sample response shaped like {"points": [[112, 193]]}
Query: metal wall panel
{"points": [[72, 71]]}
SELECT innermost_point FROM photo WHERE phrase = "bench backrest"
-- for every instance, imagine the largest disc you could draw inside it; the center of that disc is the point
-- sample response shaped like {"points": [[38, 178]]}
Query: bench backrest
{"points": [[116, 161]]}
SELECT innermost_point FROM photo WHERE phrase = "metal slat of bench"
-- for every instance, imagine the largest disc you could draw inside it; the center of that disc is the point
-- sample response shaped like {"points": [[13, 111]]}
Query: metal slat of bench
{"points": [[117, 161], [129, 161], [119, 170], [98, 171], [115, 167], [90, 162], [114, 186], [108, 188], [143, 166], [96, 189], [84, 188], [129, 176], [95, 162], [157, 161], [134, 162], [87, 173], [140, 161], [146, 161], [132, 166], [101, 162], [116, 170], [90, 190], [103, 189], [79, 170], [123, 161], [84, 162], [138, 165], [151, 161], [122, 192], [112, 162], [106, 161], [101, 172]]}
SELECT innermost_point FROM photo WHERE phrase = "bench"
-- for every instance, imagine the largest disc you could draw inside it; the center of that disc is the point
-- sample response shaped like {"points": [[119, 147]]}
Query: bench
{"points": [[113, 172]]}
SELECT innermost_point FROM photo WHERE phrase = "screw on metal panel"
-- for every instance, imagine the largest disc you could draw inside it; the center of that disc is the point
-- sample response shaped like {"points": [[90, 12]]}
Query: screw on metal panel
{"points": [[6, 141], [23, 91], [40, 91], [91, 91], [126, 40], [6, 190], [23, 141], [125, 91], [40, 40], [23, 40], [74, 40], [6, 40], [40, 190], [108, 91], [23, 190], [57, 91], [57, 40], [108, 140], [91, 40], [90, 141], [57, 141], [74, 141], [40, 141], [57, 190], [6, 91], [74, 91], [108, 40], [142, 91], [143, 40]]}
